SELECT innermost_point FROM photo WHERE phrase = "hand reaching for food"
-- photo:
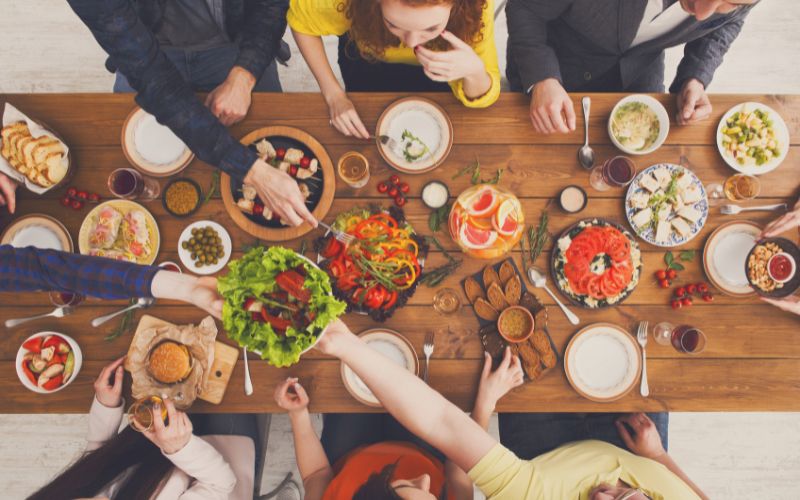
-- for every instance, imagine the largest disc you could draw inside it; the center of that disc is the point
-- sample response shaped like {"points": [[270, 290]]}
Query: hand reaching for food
{"points": [[173, 436], [291, 396], [344, 116], [108, 386], [496, 384], [8, 189], [280, 194], [787, 221]]}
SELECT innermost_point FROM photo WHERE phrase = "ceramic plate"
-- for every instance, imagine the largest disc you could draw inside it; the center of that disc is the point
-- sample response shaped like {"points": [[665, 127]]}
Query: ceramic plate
{"points": [[648, 233], [186, 255], [725, 254], [781, 134], [152, 148], [37, 230], [423, 119], [661, 114], [118, 250], [602, 362], [392, 345], [787, 288]]}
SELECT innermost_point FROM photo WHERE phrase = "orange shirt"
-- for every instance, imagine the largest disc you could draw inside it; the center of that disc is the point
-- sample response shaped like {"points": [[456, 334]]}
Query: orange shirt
{"points": [[353, 470]]}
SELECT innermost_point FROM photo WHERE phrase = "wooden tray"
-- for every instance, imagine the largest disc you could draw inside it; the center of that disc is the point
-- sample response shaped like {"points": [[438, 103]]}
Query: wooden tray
{"points": [[219, 374], [494, 344]]}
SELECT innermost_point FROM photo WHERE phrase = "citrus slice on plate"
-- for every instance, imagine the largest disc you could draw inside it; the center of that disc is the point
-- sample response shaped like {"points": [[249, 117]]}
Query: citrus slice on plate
{"points": [[505, 219], [482, 203], [476, 238]]}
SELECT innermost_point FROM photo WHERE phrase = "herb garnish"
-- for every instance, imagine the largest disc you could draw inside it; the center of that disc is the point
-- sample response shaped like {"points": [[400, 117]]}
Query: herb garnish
{"points": [[474, 169], [413, 147], [124, 325], [438, 217], [435, 276]]}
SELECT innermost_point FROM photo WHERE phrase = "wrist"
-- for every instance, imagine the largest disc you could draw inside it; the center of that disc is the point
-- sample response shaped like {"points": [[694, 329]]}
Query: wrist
{"points": [[240, 76], [333, 93], [258, 168], [172, 285], [484, 405]]}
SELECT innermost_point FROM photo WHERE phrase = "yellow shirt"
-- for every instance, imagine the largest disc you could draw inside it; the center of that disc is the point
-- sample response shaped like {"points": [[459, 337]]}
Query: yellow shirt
{"points": [[571, 471], [326, 17]]}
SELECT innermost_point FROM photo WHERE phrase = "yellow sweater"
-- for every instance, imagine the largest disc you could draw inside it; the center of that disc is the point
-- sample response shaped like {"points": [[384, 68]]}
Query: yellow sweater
{"points": [[326, 17]]}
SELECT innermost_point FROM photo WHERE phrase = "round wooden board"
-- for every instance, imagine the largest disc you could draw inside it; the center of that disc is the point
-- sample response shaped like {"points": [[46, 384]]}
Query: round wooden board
{"points": [[320, 211]]}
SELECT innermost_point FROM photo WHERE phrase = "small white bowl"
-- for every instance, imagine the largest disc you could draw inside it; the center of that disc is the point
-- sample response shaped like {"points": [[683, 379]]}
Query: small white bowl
{"points": [[791, 274], [661, 114], [78, 362]]}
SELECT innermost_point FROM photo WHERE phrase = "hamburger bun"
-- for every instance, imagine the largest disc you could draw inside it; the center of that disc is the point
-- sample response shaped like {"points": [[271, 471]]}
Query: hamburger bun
{"points": [[169, 362]]}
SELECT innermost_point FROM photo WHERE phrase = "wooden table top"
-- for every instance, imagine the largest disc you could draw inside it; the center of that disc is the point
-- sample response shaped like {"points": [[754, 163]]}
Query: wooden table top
{"points": [[751, 362]]}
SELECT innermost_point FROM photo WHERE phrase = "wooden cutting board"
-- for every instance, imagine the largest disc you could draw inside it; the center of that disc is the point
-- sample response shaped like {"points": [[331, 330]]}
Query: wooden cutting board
{"points": [[219, 374]]}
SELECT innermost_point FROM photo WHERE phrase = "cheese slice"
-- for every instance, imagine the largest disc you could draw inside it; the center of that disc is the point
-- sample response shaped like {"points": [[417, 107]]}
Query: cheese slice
{"points": [[691, 195], [663, 231], [690, 213], [642, 217], [649, 183], [663, 176], [681, 226], [640, 199], [684, 181], [664, 213]]}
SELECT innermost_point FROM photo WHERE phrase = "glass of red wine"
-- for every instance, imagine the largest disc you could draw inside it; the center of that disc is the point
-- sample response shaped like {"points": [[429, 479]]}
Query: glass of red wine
{"points": [[128, 184], [616, 172], [688, 339], [61, 299]]}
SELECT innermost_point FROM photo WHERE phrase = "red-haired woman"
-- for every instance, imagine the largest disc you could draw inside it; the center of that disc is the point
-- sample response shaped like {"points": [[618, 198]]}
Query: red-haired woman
{"points": [[398, 46]]}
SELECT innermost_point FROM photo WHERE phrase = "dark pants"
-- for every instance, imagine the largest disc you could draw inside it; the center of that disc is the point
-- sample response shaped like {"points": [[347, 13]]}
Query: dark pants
{"points": [[228, 424], [529, 435], [344, 432], [361, 75], [205, 69]]}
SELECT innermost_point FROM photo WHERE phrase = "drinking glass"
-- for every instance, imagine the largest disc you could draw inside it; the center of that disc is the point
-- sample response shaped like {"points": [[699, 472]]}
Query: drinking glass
{"points": [[140, 414], [688, 339], [353, 168], [61, 299], [742, 187], [446, 301], [662, 333], [616, 172], [129, 184]]}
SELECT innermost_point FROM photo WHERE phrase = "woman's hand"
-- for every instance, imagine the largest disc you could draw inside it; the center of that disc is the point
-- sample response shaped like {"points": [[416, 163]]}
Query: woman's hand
{"points": [[495, 384], [459, 62], [108, 386], [645, 441], [693, 103], [205, 296], [334, 337], [291, 396], [173, 437], [8, 187], [551, 108], [280, 193], [787, 221], [230, 101], [344, 116], [789, 304]]}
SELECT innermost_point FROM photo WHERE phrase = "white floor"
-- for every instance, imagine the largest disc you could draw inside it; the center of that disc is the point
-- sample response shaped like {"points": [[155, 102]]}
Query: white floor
{"points": [[733, 456]]}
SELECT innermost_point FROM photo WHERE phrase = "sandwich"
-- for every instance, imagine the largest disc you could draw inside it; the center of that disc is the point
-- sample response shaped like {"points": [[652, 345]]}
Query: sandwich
{"points": [[169, 362]]}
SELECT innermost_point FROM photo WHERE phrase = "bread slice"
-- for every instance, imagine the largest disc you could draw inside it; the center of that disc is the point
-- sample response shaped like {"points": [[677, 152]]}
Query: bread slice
{"points": [[690, 213], [31, 146], [47, 148], [14, 128], [54, 168], [681, 227]]}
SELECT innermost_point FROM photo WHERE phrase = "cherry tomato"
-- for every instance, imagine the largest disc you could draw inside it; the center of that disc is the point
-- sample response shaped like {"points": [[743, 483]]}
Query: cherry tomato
{"points": [[404, 187], [680, 292], [661, 274], [663, 283], [72, 191], [83, 195], [399, 201], [94, 198], [293, 170], [692, 288], [76, 204], [258, 209], [707, 297], [672, 274], [382, 187], [393, 192], [66, 201], [394, 179], [702, 288], [305, 162], [686, 302], [676, 304], [280, 153]]}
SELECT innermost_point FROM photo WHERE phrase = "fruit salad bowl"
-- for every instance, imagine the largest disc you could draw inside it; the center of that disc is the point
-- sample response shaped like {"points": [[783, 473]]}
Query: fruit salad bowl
{"points": [[486, 221]]}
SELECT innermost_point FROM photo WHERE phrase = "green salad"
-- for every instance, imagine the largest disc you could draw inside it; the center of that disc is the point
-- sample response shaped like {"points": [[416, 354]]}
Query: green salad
{"points": [[276, 303]]}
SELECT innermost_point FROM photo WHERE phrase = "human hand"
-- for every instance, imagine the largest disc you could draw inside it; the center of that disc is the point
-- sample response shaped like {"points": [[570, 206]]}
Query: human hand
{"points": [[333, 338], [495, 384], [551, 108], [205, 296], [173, 437], [645, 441], [8, 186], [231, 99], [783, 223], [693, 103], [459, 62], [344, 116], [291, 396], [280, 193], [108, 386], [789, 304]]}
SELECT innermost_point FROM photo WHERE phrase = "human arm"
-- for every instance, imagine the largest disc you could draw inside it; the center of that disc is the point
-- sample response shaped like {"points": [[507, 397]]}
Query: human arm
{"points": [[646, 442], [8, 187], [107, 406], [785, 222], [420, 409], [315, 470]]}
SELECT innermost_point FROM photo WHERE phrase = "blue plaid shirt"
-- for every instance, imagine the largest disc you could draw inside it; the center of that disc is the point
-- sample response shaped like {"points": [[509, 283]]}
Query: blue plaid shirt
{"points": [[31, 269]]}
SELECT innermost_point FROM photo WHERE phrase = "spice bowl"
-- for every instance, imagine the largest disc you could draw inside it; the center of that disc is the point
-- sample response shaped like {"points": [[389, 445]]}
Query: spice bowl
{"points": [[182, 197], [515, 324]]}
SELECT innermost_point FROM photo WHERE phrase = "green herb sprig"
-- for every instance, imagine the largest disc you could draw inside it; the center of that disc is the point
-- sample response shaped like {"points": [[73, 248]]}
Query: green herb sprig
{"points": [[537, 238], [213, 188], [672, 263], [474, 169], [438, 217], [125, 324], [435, 276]]}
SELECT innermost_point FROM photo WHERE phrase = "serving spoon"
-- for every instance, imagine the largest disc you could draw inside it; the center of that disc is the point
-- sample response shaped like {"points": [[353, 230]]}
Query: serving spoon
{"points": [[539, 280], [586, 153]]}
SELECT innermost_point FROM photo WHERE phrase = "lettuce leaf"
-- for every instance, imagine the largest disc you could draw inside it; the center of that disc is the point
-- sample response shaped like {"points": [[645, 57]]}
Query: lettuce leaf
{"points": [[253, 275]]}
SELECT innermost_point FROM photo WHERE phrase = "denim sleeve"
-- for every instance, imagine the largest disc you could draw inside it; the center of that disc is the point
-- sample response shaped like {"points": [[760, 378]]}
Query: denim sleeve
{"points": [[261, 34], [161, 90]]}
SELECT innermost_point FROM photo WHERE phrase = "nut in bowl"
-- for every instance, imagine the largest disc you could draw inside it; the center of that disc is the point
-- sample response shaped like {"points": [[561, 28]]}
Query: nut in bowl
{"points": [[771, 267], [515, 324], [638, 124], [48, 361]]}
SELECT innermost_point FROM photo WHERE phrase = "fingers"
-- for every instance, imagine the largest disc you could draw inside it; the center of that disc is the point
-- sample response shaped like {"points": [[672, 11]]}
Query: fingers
{"points": [[506, 359], [350, 124], [624, 434], [427, 56], [300, 390], [158, 422], [187, 422], [569, 112], [557, 119], [105, 375], [8, 196], [701, 112], [118, 378], [172, 413], [433, 76], [303, 212], [282, 389], [455, 41], [790, 304], [487, 366], [780, 225]]}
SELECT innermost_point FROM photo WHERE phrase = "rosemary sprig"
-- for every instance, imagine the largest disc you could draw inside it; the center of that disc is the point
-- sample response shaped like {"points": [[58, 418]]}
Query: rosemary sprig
{"points": [[124, 325], [435, 276], [537, 238]]}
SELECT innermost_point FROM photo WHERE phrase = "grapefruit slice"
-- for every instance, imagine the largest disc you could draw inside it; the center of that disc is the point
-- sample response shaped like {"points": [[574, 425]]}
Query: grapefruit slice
{"points": [[505, 219], [482, 203], [476, 238]]}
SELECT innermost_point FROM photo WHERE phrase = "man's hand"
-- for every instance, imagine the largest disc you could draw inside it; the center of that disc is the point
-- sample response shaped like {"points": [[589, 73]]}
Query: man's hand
{"points": [[291, 396], [280, 193], [693, 103], [230, 101], [108, 386], [204, 295], [173, 437], [344, 116], [551, 108], [645, 441], [787, 221], [495, 384], [334, 337], [8, 186]]}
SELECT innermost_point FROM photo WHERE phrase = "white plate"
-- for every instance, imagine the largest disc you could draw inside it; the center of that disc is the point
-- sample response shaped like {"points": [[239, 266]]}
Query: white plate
{"points": [[78, 362], [781, 134], [392, 345], [425, 120], [151, 147], [725, 254], [37, 230], [649, 234], [661, 114], [602, 362], [186, 255]]}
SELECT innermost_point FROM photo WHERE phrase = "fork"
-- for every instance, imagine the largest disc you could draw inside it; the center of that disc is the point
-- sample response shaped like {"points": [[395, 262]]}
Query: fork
{"points": [[339, 235], [58, 312], [641, 336], [386, 141], [427, 349], [735, 209]]}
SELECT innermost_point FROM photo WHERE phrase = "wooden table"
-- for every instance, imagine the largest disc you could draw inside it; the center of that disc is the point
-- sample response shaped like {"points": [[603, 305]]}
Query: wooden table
{"points": [[751, 363]]}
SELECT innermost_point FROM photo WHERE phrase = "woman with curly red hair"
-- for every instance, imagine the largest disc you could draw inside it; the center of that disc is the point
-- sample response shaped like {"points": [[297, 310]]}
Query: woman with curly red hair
{"points": [[398, 46]]}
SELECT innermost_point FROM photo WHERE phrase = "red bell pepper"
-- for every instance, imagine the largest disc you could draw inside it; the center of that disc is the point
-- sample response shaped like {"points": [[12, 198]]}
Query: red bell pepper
{"points": [[53, 383], [391, 300], [33, 345], [293, 283], [276, 322], [28, 373], [333, 247]]}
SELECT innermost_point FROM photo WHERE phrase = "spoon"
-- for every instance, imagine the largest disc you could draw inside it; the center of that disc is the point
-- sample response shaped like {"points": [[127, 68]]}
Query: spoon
{"points": [[142, 303], [539, 280], [248, 384], [58, 312], [585, 153]]}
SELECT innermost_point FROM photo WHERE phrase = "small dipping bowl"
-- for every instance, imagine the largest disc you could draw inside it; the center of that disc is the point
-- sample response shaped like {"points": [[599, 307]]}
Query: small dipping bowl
{"points": [[515, 324], [435, 194], [176, 184], [782, 259], [572, 199]]}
